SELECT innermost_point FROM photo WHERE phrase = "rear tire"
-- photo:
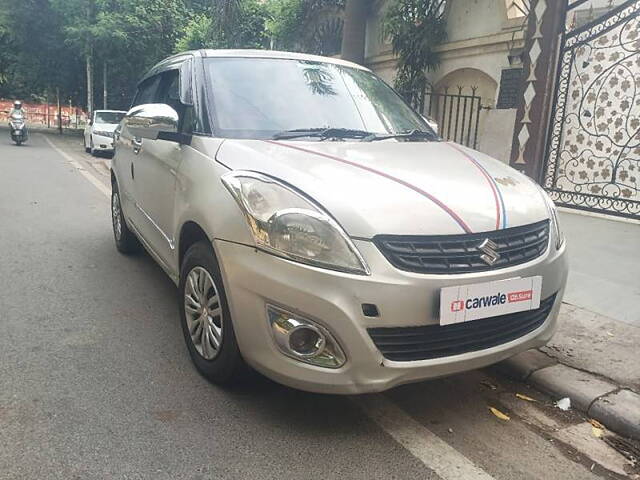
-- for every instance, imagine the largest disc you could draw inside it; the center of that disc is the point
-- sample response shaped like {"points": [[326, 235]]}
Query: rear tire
{"points": [[205, 318], [126, 241]]}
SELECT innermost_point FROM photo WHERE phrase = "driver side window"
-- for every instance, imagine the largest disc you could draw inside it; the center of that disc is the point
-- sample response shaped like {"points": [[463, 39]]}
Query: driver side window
{"points": [[169, 93], [146, 91]]}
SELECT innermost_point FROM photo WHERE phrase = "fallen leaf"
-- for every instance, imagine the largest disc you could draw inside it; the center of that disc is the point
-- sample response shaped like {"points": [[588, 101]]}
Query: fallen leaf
{"points": [[597, 432], [489, 385], [596, 423], [499, 414], [610, 334], [524, 397]]}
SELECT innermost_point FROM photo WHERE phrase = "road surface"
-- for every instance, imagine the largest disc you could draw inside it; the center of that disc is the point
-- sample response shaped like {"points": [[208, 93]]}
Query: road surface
{"points": [[96, 382]]}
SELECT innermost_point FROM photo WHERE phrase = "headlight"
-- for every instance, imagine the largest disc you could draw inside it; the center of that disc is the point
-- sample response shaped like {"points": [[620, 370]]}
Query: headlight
{"points": [[104, 134], [286, 223], [553, 217]]}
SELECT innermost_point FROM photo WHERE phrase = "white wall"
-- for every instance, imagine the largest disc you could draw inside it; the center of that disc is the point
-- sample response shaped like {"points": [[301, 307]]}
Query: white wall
{"points": [[479, 39], [475, 18]]}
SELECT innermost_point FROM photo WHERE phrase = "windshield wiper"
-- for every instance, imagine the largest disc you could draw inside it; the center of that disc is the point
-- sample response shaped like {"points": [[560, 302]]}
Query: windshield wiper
{"points": [[322, 133], [409, 135]]}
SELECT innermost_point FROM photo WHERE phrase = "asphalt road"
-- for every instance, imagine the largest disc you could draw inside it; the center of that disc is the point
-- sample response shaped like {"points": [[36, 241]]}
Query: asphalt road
{"points": [[95, 380]]}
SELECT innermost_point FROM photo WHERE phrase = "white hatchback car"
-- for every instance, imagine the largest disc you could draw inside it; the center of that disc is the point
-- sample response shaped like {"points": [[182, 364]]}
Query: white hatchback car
{"points": [[98, 134], [320, 231]]}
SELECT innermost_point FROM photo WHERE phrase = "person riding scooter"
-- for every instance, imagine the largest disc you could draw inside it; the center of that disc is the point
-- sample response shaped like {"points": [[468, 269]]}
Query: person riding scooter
{"points": [[18, 109], [17, 123]]}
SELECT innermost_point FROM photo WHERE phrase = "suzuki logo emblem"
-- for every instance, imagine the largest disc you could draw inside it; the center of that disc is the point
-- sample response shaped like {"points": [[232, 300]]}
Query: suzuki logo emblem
{"points": [[490, 255]]}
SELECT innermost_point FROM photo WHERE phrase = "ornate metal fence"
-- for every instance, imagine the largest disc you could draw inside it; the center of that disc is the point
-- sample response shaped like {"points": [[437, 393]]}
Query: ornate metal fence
{"points": [[593, 155], [457, 115]]}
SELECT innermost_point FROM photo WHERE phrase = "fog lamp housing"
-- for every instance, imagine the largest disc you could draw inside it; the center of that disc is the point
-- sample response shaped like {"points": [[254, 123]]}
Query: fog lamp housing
{"points": [[303, 339]]}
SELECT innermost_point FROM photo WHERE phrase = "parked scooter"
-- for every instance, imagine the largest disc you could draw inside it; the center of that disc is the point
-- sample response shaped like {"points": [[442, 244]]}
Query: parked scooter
{"points": [[18, 126]]}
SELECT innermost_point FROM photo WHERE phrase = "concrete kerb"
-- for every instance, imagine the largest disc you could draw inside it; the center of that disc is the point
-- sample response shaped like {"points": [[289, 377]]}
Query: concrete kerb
{"points": [[618, 409]]}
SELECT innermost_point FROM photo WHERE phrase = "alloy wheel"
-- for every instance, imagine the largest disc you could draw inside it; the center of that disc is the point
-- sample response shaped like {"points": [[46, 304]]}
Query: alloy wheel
{"points": [[203, 313], [116, 215]]}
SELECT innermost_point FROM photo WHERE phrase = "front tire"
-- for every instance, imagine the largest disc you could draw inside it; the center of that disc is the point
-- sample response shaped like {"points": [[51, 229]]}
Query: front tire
{"points": [[126, 241], [205, 317]]}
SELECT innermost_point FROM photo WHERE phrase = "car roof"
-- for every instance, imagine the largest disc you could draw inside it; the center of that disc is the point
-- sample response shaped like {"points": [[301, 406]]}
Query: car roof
{"points": [[278, 54], [176, 60], [109, 111]]}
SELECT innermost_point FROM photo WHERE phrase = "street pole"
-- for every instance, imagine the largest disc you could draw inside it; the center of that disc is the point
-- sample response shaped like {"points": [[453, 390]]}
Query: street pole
{"points": [[48, 114], [104, 84], [59, 111], [90, 81]]}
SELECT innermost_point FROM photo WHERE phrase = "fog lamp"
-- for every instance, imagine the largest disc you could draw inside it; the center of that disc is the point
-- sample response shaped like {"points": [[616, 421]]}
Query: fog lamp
{"points": [[304, 339]]}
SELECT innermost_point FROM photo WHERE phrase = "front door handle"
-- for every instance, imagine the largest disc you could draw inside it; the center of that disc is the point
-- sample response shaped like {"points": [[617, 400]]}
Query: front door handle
{"points": [[136, 142]]}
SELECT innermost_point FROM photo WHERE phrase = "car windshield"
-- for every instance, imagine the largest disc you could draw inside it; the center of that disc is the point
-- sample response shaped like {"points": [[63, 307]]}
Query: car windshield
{"points": [[262, 97], [109, 117]]}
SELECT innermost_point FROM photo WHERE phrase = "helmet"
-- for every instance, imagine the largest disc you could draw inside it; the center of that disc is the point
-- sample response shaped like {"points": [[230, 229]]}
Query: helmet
{"points": [[17, 104]]}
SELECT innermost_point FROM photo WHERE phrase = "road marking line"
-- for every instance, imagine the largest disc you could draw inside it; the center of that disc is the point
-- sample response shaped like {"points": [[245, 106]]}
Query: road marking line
{"points": [[83, 171], [423, 444]]}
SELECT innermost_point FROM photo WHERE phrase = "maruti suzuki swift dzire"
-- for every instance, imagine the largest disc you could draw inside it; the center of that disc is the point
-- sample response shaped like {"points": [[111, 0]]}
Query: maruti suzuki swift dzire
{"points": [[319, 230]]}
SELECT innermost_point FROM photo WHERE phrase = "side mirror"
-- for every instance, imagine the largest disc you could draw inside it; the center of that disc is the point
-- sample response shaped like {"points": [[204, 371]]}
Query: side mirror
{"points": [[153, 121]]}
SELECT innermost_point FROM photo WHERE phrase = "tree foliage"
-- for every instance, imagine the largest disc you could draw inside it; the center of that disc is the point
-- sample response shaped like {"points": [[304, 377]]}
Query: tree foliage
{"points": [[306, 25], [46, 45], [415, 28]]}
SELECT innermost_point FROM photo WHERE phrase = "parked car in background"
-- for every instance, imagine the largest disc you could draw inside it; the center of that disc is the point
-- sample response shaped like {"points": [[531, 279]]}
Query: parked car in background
{"points": [[321, 232], [98, 134]]}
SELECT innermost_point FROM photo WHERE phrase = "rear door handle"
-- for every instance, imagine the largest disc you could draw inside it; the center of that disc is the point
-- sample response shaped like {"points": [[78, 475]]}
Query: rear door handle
{"points": [[136, 142]]}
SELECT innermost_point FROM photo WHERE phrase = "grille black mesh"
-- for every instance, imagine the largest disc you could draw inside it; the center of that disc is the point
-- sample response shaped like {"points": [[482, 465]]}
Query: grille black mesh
{"points": [[405, 344], [459, 253]]}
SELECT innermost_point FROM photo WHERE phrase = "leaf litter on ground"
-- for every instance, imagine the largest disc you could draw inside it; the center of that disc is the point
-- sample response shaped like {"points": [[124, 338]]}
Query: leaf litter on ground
{"points": [[499, 414]]}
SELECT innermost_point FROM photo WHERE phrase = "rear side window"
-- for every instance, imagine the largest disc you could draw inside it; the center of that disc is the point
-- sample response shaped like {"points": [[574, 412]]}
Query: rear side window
{"points": [[147, 91]]}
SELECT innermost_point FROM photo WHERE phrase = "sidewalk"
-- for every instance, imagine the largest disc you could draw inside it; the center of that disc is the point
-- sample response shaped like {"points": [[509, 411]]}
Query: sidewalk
{"points": [[594, 358]]}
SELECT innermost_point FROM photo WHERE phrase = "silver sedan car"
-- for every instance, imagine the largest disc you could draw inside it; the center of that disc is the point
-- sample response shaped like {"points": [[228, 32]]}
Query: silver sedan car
{"points": [[320, 231]]}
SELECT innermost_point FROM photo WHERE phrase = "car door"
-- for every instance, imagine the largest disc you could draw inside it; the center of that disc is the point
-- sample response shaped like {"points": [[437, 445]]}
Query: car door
{"points": [[127, 152], [156, 166]]}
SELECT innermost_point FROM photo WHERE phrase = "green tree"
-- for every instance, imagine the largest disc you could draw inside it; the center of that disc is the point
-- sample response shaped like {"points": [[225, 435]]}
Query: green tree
{"points": [[228, 24], [36, 59], [415, 27], [312, 26]]}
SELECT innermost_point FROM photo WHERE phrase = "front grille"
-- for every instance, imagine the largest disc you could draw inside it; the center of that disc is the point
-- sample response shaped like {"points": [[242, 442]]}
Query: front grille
{"points": [[459, 253], [407, 344]]}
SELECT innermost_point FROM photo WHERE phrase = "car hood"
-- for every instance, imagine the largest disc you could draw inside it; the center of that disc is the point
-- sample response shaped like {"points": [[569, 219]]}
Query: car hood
{"points": [[104, 127], [393, 187]]}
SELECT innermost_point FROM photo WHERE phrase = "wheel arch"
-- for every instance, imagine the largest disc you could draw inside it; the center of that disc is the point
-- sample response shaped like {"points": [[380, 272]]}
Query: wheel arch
{"points": [[190, 233]]}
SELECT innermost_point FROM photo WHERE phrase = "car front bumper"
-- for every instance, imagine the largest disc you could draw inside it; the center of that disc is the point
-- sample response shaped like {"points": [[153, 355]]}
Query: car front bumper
{"points": [[102, 144], [253, 279]]}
